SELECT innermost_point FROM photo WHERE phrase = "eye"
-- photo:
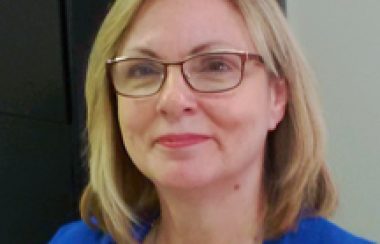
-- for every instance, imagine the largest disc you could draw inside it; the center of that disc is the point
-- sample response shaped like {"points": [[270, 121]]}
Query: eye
{"points": [[138, 70], [217, 66], [216, 63]]}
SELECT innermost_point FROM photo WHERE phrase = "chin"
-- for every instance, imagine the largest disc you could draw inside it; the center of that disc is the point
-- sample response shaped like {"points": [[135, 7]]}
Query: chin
{"points": [[185, 178]]}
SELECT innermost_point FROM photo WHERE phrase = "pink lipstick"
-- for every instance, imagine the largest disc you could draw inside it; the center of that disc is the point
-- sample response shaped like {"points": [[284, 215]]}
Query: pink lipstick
{"points": [[181, 140]]}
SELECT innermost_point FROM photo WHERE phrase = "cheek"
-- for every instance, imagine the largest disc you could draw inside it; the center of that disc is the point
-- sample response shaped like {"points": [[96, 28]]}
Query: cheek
{"points": [[241, 119], [134, 119], [125, 113], [238, 112], [240, 132]]}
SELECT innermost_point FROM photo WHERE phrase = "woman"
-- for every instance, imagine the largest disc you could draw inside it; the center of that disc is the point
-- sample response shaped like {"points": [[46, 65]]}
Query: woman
{"points": [[203, 127]]}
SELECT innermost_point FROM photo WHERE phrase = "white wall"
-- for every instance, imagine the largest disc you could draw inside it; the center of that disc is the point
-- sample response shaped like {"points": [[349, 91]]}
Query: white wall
{"points": [[341, 39]]}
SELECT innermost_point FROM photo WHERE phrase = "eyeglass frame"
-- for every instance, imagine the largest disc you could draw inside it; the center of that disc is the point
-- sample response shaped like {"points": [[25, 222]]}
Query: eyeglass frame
{"points": [[244, 57]]}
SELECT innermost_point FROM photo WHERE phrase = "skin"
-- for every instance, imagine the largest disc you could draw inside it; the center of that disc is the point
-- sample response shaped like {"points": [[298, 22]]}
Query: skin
{"points": [[211, 191]]}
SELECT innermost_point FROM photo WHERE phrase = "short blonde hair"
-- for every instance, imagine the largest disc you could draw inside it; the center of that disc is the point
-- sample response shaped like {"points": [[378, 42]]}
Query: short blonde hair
{"points": [[296, 177]]}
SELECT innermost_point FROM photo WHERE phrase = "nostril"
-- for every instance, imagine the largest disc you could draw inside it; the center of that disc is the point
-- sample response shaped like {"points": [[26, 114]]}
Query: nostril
{"points": [[188, 110], [176, 104]]}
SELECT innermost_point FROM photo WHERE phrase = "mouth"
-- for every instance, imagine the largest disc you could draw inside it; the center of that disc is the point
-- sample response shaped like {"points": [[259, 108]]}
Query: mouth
{"points": [[181, 140]]}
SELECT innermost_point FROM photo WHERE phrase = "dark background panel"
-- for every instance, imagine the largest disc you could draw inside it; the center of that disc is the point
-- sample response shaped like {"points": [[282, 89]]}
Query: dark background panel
{"points": [[35, 179], [43, 48], [31, 71]]}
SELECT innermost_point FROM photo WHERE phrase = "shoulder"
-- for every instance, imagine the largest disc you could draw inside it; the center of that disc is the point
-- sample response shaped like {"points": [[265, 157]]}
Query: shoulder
{"points": [[313, 230], [78, 232]]}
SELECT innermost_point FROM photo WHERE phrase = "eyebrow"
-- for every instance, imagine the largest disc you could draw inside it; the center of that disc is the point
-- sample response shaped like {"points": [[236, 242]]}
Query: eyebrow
{"points": [[204, 47], [197, 49], [145, 51]]}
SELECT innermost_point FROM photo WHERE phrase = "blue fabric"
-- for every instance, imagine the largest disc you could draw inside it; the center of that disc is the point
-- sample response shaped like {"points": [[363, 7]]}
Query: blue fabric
{"points": [[310, 230], [78, 232], [315, 230]]}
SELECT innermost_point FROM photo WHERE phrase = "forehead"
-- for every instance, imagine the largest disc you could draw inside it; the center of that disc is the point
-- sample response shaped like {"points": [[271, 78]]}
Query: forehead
{"points": [[172, 28]]}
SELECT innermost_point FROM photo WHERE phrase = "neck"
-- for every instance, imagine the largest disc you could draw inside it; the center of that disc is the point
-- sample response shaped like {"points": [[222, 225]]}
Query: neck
{"points": [[223, 212]]}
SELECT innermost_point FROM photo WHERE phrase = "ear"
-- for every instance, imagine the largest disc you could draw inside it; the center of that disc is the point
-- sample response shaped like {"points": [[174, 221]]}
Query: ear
{"points": [[278, 101]]}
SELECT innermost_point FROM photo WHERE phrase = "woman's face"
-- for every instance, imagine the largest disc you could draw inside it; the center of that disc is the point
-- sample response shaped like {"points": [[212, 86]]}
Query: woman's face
{"points": [[182, 138]]}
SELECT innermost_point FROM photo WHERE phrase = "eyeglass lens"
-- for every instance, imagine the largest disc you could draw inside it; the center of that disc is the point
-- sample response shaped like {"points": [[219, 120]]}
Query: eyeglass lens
{"points": [[204, 73]]}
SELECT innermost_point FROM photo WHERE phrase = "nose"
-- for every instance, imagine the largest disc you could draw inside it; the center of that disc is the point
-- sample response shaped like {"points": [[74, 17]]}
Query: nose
{"points": [[176, 99]]}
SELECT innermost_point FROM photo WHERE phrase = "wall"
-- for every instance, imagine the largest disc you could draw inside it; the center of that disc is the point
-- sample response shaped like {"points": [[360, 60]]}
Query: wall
{"points": [[342, 41]]}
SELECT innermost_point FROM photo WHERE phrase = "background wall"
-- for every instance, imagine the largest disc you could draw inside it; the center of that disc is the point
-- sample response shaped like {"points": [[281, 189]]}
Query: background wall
{"points": [[342, 41]]}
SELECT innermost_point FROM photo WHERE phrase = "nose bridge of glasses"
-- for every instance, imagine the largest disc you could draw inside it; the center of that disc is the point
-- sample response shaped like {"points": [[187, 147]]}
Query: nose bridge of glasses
{"points": [[174, 70]]}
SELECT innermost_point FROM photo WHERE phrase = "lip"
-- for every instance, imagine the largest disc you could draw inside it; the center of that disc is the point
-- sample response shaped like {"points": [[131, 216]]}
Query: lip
{"points": [[181, 140]]}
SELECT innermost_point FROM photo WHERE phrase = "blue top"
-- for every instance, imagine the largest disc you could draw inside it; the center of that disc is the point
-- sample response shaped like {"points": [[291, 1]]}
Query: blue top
{"points": [[311, 230]]}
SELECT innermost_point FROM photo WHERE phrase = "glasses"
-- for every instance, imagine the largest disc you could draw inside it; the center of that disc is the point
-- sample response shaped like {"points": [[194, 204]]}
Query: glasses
{"points": [[205, 73]]}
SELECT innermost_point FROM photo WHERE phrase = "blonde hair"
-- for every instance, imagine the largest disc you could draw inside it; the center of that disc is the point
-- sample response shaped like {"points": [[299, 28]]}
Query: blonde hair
{"points": [[296, 179]]}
